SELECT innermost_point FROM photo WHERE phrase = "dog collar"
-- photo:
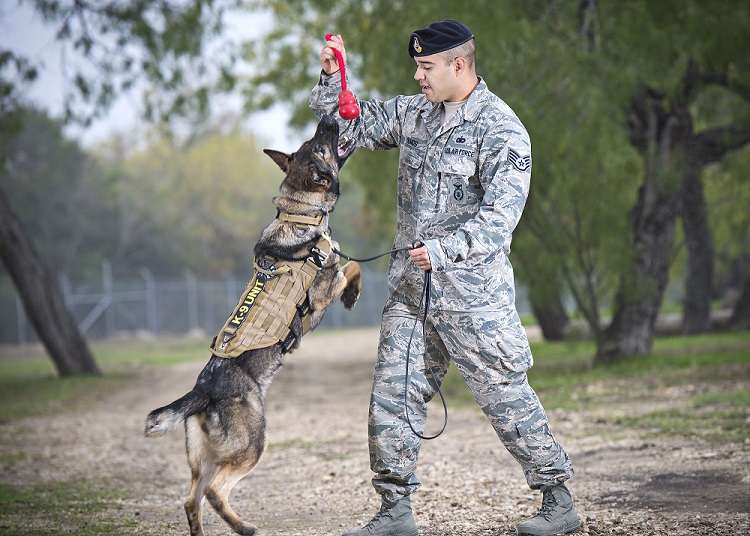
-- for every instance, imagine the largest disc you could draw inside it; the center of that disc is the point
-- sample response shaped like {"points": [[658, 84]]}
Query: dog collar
{"points": [[299, 218]]}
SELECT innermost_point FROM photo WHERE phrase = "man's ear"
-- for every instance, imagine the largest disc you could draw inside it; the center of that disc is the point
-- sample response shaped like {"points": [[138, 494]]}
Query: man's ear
{"points": [[282, 159], [459, 65]]}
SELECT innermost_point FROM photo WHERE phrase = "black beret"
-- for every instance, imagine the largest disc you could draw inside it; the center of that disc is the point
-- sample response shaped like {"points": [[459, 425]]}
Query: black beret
{"points": [[438, 37]]}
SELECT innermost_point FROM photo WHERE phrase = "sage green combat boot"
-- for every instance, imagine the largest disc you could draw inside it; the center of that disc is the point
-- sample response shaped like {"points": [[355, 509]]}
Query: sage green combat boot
{"points": [[557, 515], [396, 520]]}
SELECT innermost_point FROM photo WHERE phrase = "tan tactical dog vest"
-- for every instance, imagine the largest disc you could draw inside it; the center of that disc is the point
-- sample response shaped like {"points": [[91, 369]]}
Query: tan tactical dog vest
{"points": [[276, 292]]}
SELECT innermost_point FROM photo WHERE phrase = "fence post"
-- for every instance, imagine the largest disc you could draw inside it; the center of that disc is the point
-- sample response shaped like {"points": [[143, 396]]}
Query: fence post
{"points": [[108, 291], [21, 316], [66, 288], [192, 296], [151, 316], [232, 293]]}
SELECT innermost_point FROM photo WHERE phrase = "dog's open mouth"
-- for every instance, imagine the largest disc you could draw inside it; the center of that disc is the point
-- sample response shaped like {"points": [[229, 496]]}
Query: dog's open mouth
{"points": [[346, 148]]}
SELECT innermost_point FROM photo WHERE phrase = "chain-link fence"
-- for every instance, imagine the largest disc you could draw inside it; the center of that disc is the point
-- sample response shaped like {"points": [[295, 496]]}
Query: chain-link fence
{"points": [[126, 304], [140, 302]]}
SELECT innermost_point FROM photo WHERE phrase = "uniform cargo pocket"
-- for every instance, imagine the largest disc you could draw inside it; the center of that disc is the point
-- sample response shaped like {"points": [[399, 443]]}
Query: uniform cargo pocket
{"points": [[513, 346], [465, 283]]}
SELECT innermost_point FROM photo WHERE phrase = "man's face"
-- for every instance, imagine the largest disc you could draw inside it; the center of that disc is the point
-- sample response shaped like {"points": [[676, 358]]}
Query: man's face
{"points": [[439, 82]]}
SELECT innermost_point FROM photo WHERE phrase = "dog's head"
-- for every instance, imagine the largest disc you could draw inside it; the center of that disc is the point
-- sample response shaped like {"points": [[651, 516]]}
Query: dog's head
{"points": [[313, 170]]}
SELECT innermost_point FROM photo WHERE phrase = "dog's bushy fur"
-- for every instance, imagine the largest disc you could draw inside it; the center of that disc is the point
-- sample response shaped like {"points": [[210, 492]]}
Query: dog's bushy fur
{"points": [[224, 414]]}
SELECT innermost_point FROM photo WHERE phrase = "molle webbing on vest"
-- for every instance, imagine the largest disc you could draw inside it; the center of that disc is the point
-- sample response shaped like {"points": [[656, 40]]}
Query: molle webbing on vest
{"points": [[276, 292]]}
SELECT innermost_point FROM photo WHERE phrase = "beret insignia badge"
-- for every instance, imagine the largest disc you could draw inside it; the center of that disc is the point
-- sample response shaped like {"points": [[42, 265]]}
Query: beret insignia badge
{"points": [[416, 45]]}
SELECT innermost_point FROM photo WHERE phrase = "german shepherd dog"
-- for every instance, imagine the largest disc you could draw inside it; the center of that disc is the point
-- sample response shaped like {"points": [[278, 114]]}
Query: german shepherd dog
{"points": [[224, 413]]}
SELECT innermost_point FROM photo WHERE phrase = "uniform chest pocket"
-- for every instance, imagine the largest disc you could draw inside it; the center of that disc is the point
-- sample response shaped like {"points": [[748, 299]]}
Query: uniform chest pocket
{"points": [[457, 169], [413, 152], [458, 184]]}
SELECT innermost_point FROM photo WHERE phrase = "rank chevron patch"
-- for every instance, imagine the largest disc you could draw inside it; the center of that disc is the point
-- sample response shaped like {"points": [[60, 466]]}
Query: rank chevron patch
{"points": [[521, 163]]}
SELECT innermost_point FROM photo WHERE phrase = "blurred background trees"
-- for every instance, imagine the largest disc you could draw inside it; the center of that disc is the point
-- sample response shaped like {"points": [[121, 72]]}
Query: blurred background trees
{"points": [[627, 103], [638, 114]]}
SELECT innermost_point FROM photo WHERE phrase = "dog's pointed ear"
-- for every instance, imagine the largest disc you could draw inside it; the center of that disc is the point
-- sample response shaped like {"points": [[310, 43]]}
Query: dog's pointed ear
{"points": [[282, 159]]}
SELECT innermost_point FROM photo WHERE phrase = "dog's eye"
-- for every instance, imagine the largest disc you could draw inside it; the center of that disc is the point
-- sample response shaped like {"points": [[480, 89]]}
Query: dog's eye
{"points": [[320, 150]]}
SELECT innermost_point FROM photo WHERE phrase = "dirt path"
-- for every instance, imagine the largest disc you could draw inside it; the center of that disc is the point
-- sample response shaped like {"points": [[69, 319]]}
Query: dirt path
{"points": [[314, 478]]}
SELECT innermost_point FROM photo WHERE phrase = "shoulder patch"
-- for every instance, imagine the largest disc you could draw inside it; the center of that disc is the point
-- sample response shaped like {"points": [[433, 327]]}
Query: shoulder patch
{"points": [[521, 163]]}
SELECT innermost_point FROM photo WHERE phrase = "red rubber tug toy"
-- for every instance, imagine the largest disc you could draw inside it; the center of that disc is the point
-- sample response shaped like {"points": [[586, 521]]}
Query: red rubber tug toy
{"points": [[347, 101]]}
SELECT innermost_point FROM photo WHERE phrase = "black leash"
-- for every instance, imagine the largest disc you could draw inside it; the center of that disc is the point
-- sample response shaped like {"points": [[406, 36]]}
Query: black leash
{"points": [[424, 301], [368, 259]]}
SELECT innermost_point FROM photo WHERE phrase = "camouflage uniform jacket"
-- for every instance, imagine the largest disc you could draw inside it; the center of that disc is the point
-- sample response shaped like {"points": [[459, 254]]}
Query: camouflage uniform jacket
{"points": [[461, 189]]}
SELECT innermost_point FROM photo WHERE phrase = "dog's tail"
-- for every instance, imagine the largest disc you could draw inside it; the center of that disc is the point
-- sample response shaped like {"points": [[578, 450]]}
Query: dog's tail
{"points": [[161, 420]]}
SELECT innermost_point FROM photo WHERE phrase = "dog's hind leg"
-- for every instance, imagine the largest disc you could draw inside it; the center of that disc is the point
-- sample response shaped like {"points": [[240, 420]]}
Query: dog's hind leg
{"points": [[218, 495], [194, 503], [202, 471]]}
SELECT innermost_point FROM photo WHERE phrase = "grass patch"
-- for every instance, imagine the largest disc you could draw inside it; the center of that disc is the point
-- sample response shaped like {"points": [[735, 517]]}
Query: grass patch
{"points": [[30, 386], [721, 414], [293, 443], [52, 395], [81, 507], [10, 459], [702, 381]]}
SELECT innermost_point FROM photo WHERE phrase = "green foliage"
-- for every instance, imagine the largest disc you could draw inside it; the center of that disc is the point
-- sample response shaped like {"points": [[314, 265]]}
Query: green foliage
{"points": [[728, 196], [569, 69], [166, 45], [208, 200], [53, 187], [166, 206], [569, 74], [15, 73]]}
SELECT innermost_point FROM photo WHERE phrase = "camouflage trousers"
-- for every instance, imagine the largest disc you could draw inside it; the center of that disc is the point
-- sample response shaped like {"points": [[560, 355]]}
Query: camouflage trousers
{"points": [[495, 375]]}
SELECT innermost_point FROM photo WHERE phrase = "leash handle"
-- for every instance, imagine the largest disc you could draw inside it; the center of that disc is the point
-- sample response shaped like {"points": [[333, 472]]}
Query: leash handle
{"points": [[424, 305], [424, 300]]}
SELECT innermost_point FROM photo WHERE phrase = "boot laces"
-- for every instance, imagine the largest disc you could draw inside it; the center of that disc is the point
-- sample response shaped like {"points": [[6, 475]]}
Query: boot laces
{"points": [[549, 503], [379, 518]]}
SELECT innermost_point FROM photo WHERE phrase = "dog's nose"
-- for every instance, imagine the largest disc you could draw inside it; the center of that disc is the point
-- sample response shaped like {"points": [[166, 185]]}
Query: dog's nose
{"points": [[327, 124]]}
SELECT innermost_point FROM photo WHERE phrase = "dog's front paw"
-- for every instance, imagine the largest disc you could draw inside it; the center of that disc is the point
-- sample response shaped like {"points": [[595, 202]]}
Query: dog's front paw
{"points": [[353, 275], [350, 296]]}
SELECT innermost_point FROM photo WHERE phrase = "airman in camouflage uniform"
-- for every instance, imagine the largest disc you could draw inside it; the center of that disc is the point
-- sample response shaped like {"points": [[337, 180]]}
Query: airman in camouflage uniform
{"points": [[463, 180]]}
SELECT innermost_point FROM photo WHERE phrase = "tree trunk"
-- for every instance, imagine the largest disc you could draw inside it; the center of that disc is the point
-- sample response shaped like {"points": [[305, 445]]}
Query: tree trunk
{"points": [[42, 299], [740, 319], [642, 288], [698, 285], [662, 137], [551, 316], [707, 147]]}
